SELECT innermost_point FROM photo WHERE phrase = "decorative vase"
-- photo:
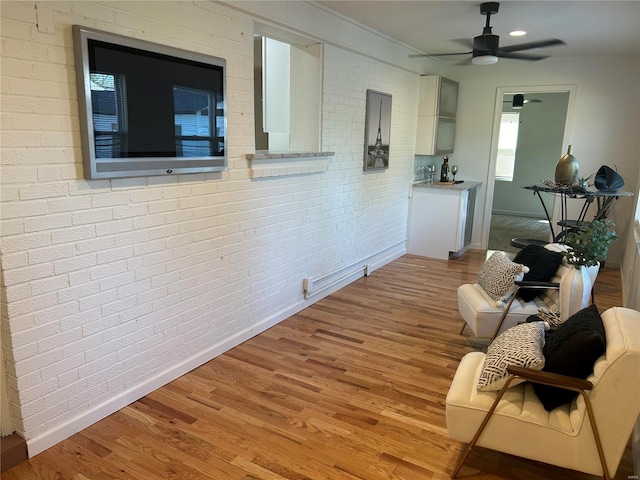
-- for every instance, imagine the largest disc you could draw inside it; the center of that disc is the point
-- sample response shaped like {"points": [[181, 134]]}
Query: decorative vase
{"points": [[578, 284], [567, 169]]}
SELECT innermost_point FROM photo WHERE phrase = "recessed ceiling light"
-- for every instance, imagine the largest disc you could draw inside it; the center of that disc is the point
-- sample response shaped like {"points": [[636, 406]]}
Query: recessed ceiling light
{"points": [[517, 33]]}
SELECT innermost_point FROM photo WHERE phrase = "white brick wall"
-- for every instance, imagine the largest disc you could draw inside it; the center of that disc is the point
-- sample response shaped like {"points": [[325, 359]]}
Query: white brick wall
{"points": [[115, 287]]}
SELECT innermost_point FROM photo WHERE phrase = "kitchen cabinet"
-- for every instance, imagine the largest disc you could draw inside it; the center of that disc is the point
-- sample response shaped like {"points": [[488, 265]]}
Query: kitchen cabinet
{"points": [[441, 219], [437, 107]]}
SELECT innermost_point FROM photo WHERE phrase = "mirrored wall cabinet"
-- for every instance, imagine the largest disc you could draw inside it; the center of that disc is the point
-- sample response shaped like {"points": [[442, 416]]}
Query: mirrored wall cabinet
{"points": [[437, 106]]}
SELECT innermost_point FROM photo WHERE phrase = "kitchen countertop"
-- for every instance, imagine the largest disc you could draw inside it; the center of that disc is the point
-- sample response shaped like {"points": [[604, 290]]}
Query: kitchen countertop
{"points": [[465, 185]]}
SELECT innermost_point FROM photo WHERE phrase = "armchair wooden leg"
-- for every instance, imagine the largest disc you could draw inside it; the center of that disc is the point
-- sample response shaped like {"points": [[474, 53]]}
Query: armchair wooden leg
{"points": [[596, 435], [504, 315], [474, 440]]}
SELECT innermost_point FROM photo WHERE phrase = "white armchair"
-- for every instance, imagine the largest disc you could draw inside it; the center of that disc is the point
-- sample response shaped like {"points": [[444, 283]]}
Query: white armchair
{"points": [[569, 290], [589, 434]]}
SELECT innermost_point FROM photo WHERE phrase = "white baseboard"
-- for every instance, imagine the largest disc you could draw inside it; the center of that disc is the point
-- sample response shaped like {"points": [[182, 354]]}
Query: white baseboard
{"points": [[73, 425], [386, 256]]}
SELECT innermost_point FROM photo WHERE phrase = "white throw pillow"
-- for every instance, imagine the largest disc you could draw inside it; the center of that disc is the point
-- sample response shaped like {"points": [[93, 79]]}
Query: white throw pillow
{"points": [[497, 275], [519, 346]]}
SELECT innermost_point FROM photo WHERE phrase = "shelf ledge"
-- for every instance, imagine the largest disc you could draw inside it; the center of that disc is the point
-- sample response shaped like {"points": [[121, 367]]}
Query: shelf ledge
{"points": [[265, 163]]}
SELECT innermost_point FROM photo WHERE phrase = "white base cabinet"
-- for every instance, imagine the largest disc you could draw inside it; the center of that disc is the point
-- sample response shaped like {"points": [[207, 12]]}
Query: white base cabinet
{"points": [[441, 220]]}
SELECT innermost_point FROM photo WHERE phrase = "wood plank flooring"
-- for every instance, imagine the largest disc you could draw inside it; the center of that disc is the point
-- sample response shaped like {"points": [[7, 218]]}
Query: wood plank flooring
{"points": [[352, 387]]}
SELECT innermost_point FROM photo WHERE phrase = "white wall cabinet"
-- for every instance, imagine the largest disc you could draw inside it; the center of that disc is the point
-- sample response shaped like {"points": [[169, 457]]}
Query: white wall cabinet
{"points": [[441, 220], [437, 107]]}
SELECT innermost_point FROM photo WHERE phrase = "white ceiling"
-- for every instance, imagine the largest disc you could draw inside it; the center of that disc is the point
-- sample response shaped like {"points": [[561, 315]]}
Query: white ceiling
{"points": [[588, 27]]}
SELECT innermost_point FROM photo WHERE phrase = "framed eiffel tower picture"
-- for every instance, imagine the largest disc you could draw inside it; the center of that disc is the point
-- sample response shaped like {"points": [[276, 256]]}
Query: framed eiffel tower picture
{"points": [[377, 131]]}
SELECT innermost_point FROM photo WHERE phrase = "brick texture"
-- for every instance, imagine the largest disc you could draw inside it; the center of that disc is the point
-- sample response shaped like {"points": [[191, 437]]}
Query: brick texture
{"points": [[109, 283]]}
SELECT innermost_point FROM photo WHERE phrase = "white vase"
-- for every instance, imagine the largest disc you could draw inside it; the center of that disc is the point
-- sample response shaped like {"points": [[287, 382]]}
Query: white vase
{"points": [[576, 290]]}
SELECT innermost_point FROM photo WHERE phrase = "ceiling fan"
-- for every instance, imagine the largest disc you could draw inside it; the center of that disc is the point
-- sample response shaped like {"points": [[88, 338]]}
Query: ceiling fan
{"points": [[518, 101], [486, 49]]}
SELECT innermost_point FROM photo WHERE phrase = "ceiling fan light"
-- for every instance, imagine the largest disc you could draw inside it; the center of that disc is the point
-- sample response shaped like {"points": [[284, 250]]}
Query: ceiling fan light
{"points": [[484, 60], [518, 101]]}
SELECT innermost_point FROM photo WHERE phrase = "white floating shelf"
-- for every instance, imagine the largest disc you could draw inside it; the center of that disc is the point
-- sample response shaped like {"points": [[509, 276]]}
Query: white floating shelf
{"points": [[279, 164]]}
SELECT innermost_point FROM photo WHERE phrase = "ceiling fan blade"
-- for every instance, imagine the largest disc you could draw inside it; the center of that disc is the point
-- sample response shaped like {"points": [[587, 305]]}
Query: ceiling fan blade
{"points": [[533, 100], [438, 54], [531, 45], [465, 42], [520, 56]]}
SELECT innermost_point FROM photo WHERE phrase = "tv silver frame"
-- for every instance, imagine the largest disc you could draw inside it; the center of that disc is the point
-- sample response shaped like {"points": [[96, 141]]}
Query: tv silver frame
{"points": [[94, 167]]}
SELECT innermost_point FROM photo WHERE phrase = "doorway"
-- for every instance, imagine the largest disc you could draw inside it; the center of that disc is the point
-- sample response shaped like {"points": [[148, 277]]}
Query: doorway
{"points": [[542, 131]]}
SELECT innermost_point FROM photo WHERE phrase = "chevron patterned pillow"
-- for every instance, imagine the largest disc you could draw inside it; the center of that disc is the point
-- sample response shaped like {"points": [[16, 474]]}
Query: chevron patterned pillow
{"points": [[519, 346], [497, 275]]}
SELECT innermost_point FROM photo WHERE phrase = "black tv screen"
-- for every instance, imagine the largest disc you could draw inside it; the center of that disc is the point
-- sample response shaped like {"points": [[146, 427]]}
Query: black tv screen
{"points": [[148, 109]]}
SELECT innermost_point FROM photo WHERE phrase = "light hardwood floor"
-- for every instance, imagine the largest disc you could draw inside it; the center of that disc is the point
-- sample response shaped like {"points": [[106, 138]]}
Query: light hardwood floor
{"points": [[352, 387]]}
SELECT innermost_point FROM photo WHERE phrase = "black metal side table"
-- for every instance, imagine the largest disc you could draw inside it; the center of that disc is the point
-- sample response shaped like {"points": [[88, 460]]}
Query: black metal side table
{"points": [[604, 199]]}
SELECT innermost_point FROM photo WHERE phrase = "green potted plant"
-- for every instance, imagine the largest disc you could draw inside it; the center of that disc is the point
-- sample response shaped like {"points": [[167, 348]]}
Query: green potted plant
{"points": [[590, 244], [582, 184]]}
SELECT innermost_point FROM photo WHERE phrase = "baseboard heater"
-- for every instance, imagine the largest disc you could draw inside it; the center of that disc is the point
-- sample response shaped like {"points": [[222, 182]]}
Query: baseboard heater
{"points": [[330, 282], [315, 286]]}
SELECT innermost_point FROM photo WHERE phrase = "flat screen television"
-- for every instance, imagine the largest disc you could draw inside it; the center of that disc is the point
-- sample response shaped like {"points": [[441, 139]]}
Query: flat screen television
{"points": [[148, 109]]}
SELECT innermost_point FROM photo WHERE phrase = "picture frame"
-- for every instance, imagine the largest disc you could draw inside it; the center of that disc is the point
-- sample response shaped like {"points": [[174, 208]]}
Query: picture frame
{"points": [[377, 131]]}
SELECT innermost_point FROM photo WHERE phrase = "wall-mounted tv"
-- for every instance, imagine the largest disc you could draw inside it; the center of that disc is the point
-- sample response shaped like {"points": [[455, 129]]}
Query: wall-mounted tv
{"points": [[148, 109]]}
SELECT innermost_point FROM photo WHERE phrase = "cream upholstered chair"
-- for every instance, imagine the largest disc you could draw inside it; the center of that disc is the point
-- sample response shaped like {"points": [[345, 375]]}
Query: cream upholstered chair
{"points": [[568, 291], [589, 434]]}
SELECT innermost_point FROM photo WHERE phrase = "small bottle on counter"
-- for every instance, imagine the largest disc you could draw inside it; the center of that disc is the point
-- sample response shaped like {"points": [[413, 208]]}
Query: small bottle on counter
{"points": [[444, 170]]}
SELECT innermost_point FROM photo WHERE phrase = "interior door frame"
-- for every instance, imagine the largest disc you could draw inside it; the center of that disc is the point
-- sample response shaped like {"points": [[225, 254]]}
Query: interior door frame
{"points": [[493, 155]]}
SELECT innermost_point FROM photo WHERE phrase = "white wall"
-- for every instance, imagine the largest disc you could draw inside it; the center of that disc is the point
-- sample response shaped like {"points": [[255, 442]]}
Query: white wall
{"points": [[604, 125], [116, 287]]}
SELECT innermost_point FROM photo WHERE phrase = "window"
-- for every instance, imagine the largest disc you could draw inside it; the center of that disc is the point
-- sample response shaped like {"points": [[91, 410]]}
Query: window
{"points": [[288, 91], [507, 143], [109, 103], [199, 123], [198, 117]]}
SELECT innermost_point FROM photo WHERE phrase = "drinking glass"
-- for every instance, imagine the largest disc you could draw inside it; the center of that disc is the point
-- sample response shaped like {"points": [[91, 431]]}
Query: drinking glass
{"points": [[431, 173], [454, 170]]}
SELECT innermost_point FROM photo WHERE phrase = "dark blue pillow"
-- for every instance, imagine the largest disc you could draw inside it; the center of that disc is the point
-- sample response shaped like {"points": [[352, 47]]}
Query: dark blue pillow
{"points": [[542, 264]]}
